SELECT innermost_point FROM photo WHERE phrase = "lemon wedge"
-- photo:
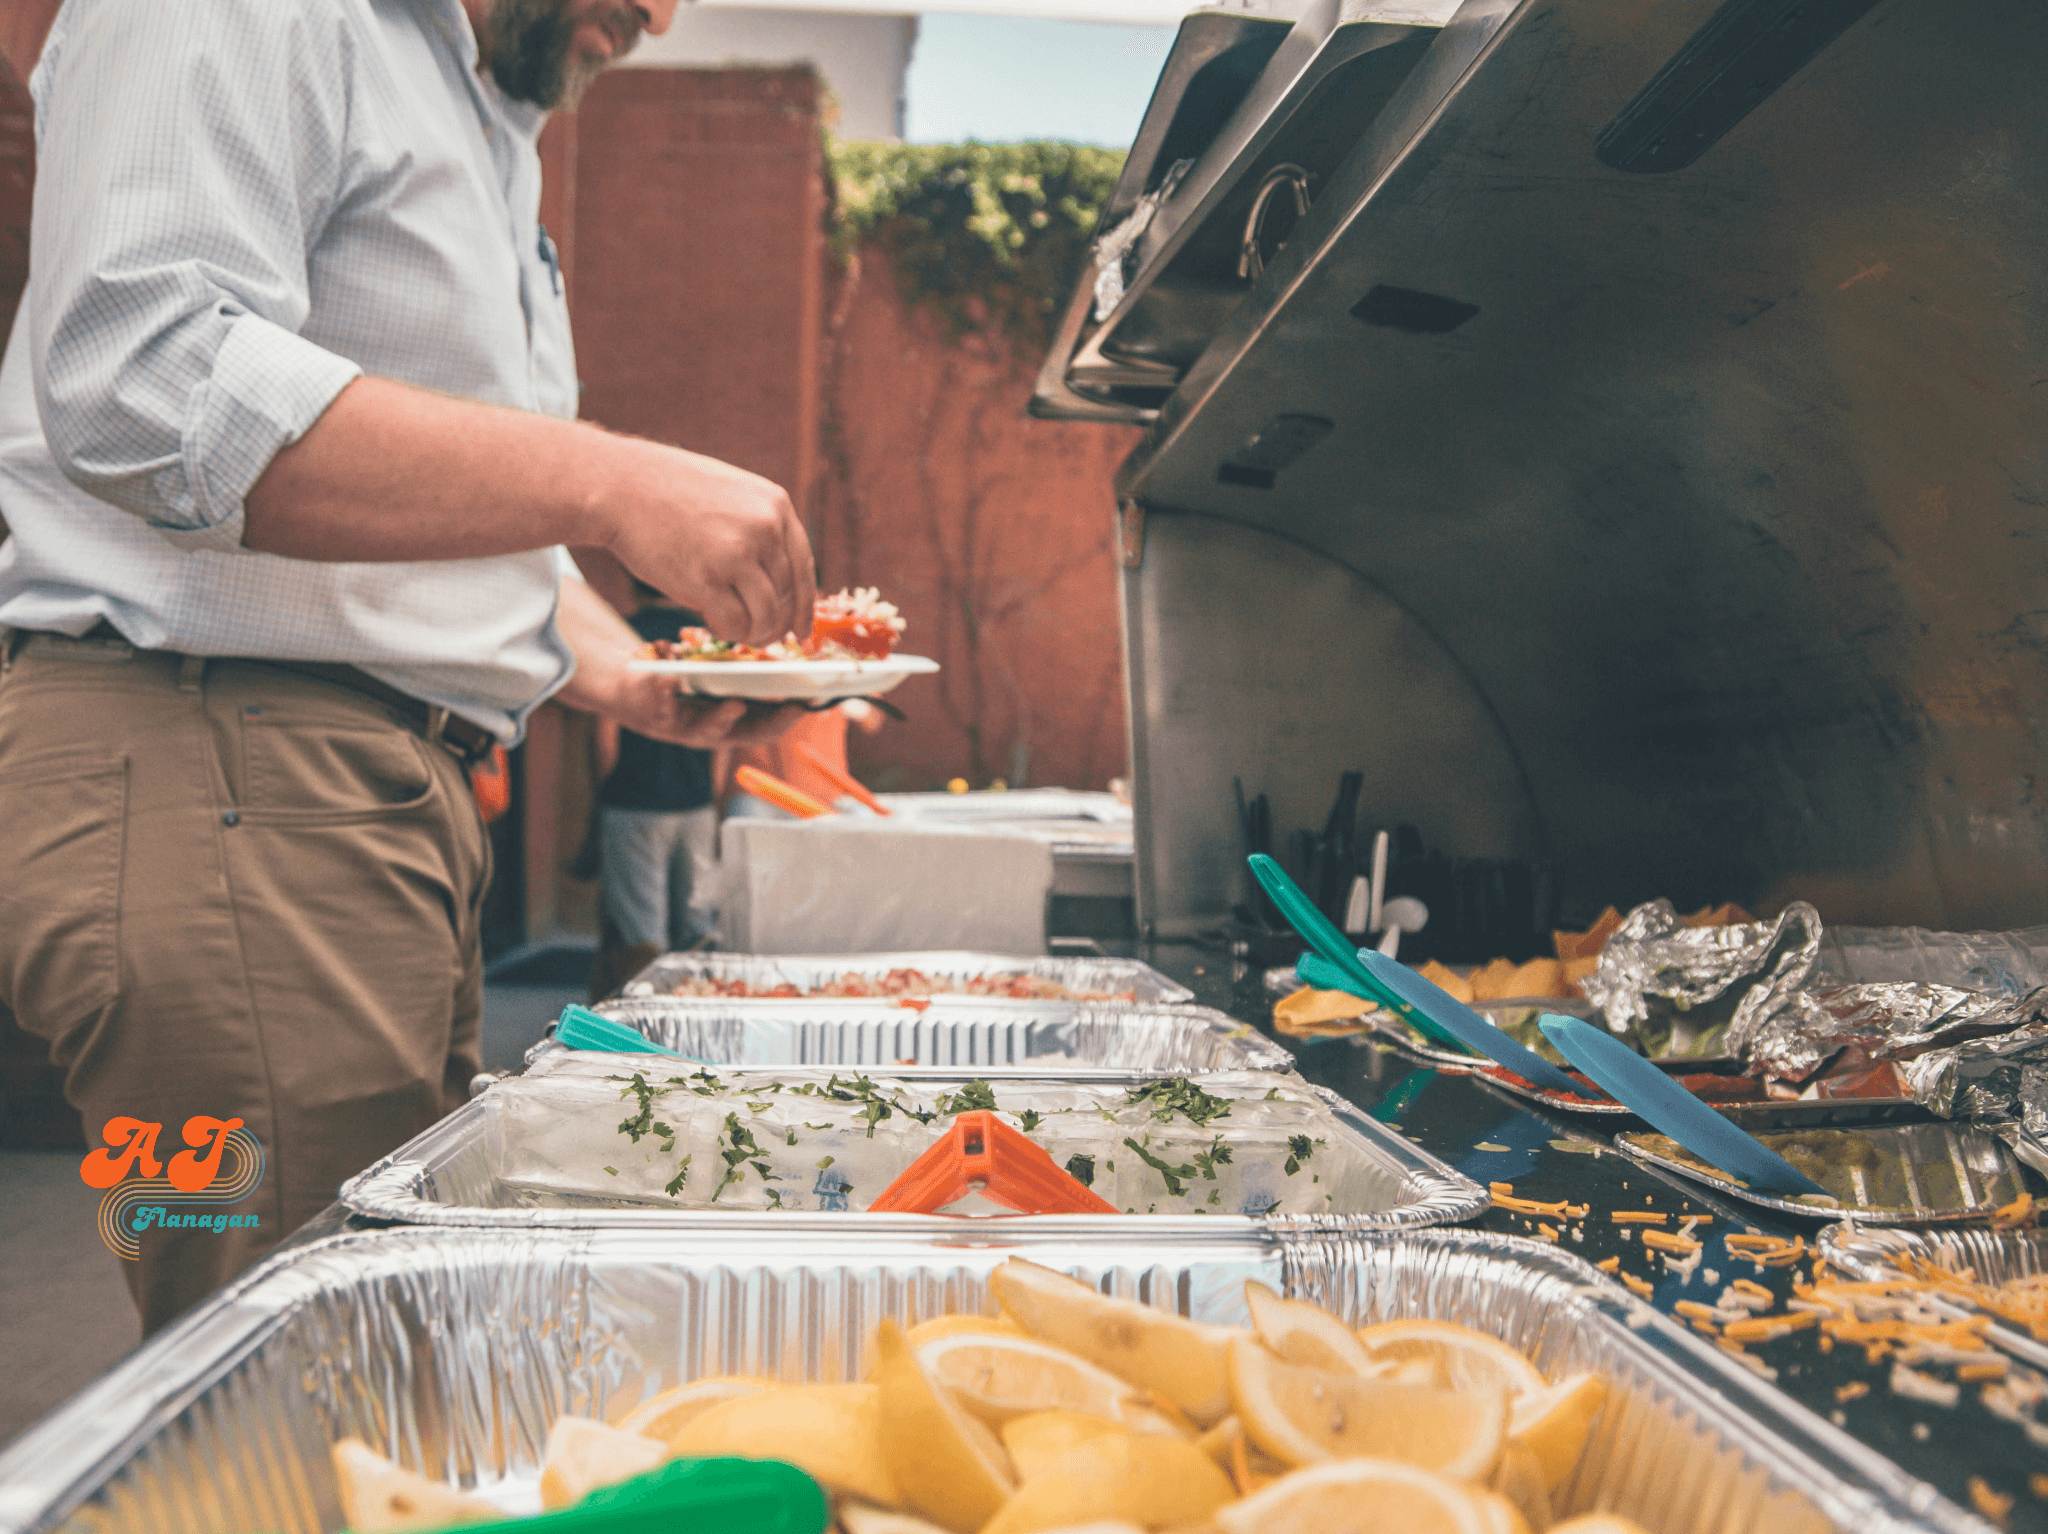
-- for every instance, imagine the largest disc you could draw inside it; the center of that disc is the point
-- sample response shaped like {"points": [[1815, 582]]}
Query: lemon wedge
{"points": [[1151, 1349], [1460, 1356], [1555, 1422], [1143, 1478], [998, 1378], [1306, 1334], [1358, 1496], [1304, 1416], [861, 1518], [1598, 1523], [953, 1326], [949, 1465], [1502, 1514], [832, 1433], [660, 1417], [584, 1454], [1519, 1479], [381, 1497]]}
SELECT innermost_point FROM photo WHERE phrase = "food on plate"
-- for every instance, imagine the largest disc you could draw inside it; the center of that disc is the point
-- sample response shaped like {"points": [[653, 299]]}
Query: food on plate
{"points": [[853, 625], [903, 984], [1075, 1412]]}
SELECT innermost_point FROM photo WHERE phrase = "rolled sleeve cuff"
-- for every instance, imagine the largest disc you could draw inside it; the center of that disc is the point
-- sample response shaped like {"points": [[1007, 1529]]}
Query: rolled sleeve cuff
{"points": [[267, 387]]}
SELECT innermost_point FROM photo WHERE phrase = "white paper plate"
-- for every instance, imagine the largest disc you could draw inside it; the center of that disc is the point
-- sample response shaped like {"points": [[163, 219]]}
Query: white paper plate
{"points": [[795, 680]]}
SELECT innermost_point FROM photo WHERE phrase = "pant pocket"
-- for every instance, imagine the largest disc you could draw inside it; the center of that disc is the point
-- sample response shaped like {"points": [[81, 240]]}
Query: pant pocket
{"points": [[309, 770], [64, 816]]}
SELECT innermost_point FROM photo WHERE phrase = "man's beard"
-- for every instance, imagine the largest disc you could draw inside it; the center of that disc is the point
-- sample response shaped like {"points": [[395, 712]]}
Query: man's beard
{"points": [[533, 50]]}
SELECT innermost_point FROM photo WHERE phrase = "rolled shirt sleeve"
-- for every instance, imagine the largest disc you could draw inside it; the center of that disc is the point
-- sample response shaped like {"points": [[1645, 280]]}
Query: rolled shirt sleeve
{"points": [[169, 370]]}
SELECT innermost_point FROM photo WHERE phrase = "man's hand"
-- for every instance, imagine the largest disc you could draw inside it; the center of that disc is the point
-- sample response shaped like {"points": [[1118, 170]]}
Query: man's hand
{"points": [[394, 473], [714, 537], [648, 705]]}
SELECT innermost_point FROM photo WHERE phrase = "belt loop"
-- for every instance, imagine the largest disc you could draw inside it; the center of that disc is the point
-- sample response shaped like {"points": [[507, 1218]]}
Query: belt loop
{"points": [[191, 673]]}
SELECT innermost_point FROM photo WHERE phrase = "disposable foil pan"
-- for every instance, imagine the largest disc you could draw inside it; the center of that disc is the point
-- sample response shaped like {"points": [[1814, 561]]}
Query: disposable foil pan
{"points": [[1113, 977], [1781, 1114], [1948, 1173], [1993, 1257], [455, 1350], [468, 1171], [963, 1032]]}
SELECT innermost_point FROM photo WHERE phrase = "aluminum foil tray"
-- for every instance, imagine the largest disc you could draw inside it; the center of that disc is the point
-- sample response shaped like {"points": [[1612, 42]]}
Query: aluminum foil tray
{"points": [[809, 971], [961, 1032], [1946, 1173], [1795, 1113], [531, 1152], [454, 1351], [1994, 1256]]}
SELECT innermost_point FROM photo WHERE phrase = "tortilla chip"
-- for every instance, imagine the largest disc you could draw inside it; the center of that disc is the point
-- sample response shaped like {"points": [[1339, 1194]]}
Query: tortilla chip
{"points": [[1311, 1014], [1727, 914], [1540, 977], [1446, 980], [1587, 944], [1494, 981], [1576, 972]]}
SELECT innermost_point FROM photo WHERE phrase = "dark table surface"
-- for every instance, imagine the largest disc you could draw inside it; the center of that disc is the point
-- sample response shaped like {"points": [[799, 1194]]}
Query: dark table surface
{"points": [[1492, 1136]]}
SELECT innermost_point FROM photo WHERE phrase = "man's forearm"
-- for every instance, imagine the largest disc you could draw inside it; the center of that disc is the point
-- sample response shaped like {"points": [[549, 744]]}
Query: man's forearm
{"points": [[394, 473]]}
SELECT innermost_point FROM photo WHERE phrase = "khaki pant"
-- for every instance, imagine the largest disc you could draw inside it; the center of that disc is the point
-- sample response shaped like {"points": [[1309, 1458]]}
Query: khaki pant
{"points": [[231, 889]]}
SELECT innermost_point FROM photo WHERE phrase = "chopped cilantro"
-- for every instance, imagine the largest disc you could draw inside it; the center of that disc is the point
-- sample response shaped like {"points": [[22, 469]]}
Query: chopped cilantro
{"points": [[976, 1095], [1172, 1175], [642, 1122], [1030, 1119], [1179, 1095], [791, 1138], [1299, 1149], [1082, 1170], [817, 1126], [759, 1107], [826, 1161], [1218, 1154], [674, 1187], [612, 1170]]}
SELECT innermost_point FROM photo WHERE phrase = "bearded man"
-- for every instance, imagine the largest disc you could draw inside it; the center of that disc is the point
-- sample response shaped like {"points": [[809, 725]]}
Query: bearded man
{"points": [[288, 454]]}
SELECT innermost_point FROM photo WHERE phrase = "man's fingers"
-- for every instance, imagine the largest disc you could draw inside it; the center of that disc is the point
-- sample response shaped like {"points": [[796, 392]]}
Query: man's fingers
{"points": [[803, 565], [723, 611], [763, 603]]}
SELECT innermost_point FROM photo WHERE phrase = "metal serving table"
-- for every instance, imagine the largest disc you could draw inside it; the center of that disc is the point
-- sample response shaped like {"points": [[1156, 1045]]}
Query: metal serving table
{"points": [[1492, 1136]]}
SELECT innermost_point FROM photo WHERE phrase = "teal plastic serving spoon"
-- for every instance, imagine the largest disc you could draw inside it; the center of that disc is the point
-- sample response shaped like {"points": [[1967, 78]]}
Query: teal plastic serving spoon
{"points": [[1669, 1108]]}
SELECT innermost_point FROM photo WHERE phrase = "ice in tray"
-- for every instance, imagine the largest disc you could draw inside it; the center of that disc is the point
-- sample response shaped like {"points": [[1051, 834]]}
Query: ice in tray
{"points": [[697, 1138]]}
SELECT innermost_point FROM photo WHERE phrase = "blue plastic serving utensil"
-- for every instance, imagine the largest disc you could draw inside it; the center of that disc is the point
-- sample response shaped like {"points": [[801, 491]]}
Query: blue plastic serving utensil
{"points": [[581, 1028], [1475, 1032], [1316, 930], [1670, 1109]]}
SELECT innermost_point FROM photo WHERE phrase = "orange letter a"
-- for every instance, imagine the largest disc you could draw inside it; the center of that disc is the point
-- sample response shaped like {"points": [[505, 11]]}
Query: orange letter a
{"points": [[190, 1173], [102, 1169]]}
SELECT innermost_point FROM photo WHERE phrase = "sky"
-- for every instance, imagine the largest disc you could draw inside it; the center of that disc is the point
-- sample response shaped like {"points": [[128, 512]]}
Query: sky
{"points": [[1001, 78]]}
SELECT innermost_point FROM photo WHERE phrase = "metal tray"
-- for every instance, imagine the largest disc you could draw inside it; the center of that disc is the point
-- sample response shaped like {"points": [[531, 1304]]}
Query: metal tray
{"points": [[475, 1169], [960, 1032], [1798, 1113], [1979, 1167], [808, 971], [454, 1351], [1995, 1256]]}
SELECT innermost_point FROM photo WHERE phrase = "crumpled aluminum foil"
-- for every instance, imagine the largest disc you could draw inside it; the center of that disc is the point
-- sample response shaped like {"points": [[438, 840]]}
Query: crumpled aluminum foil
{"points": [[1115, 247], [1656, 974], [1888, 1021], [1999, 1081]]}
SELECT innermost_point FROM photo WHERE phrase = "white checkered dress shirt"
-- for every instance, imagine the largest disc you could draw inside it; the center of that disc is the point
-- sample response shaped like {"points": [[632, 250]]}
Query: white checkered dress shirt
{"points": [[240, 206]]}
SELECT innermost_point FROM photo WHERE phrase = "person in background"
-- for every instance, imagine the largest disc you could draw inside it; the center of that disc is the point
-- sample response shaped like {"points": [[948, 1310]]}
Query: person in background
{"points": [[657, 830]]}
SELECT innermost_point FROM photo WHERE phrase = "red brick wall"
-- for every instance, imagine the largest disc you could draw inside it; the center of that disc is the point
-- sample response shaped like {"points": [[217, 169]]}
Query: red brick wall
{"points": [[698, 237], [993, 533]]}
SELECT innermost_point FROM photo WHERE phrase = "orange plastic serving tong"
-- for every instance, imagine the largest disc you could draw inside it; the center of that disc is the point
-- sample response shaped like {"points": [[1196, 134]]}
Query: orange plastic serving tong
{"points": [[845, 782], [784, 796], [981, 1152]]}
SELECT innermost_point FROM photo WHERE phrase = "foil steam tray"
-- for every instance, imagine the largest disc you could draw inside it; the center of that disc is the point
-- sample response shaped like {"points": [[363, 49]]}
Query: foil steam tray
{"points": [[966, 1033], [528, 1152], [807, 972], [454, 1352], [1915, 1174], [1993, 1257]]}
